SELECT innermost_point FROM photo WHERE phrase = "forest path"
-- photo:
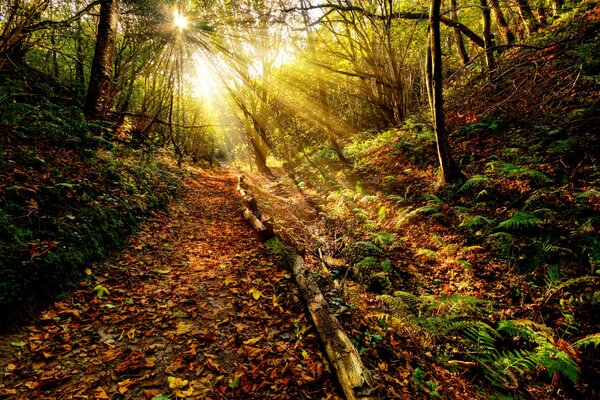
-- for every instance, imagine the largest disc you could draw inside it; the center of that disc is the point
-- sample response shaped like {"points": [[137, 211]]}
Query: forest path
{"points": [[197, 309]]}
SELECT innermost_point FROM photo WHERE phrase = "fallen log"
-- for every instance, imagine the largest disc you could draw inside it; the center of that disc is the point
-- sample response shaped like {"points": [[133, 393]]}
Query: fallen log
{"points": [[352, 375], [263, 231]]}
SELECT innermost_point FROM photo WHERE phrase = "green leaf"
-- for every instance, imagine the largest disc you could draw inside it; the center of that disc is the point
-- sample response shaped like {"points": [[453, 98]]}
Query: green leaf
{"points": [[164, 396], [18, 344], [101, 291]]}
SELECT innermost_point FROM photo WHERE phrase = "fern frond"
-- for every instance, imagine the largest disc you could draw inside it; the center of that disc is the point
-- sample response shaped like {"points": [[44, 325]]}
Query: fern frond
{"points": [[538, 333], [557, 361], [519, 221], [428, 254], [434, 199], [480, 335], [476, 221], [593, 339], [474, 182]]}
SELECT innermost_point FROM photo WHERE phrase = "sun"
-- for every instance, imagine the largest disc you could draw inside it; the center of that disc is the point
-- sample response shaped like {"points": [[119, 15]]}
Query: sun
{"points": [[180, 21]]}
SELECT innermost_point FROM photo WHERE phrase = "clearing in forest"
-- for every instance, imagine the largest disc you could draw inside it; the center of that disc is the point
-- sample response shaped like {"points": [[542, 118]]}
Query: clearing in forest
{"points": [[194, 307]]}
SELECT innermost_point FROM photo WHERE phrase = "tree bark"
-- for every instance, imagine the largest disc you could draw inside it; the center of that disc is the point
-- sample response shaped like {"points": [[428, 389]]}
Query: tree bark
{"points": [[527, 16], [98, 101], [460, 44], [507, 35], [449, 169], [487, 36]]}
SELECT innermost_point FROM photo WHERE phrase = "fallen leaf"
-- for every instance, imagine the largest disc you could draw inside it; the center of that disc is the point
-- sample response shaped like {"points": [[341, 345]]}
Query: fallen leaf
{"points": [[7, 392], [18, 344], [176, 383], [229, 280], [251, 352], [255, 293], [101, 291], [87, 271], [124, 385], [183, 328], [184, 393], [100, 394], [162, 271], [32, 385], [252, 341]]}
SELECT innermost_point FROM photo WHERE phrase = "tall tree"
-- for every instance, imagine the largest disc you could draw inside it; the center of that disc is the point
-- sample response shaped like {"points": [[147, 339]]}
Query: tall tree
{"points": [[460, 44], [449, 169], [317, 70], [98, 100]]}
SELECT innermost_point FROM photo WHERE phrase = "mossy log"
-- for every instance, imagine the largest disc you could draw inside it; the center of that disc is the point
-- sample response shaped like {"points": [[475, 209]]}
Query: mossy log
{"points": [[344, 358]]}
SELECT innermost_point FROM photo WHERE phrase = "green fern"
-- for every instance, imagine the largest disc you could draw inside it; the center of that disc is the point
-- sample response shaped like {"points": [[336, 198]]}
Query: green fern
{"points": [[545, 353], [517, 171], [384, 239], [593, 339], [428, 254], [476, 221], [475, 181], [519, 221]]}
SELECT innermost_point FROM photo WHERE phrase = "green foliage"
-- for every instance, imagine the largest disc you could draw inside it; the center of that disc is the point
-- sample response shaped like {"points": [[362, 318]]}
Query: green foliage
{"points": [[383, 239], [512, 170], [476, 181], [476, 221], [519, 221], [81, 197], [275, 246], [589, 340]]}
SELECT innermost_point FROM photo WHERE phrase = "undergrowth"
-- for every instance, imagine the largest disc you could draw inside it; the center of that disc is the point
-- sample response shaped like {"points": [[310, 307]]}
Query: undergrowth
{"points": [[68, 196]]}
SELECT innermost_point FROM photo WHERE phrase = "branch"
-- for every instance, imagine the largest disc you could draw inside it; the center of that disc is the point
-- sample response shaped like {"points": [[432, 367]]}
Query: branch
{"points": [[419, 16], [55, 24]]}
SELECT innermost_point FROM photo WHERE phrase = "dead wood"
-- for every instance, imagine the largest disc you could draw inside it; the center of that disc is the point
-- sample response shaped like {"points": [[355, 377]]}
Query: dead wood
{"points": [[343, 356], [352, 375]]}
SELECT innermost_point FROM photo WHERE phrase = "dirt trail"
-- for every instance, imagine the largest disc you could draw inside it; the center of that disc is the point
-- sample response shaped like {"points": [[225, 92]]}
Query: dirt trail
{"points": [[197, 309]]}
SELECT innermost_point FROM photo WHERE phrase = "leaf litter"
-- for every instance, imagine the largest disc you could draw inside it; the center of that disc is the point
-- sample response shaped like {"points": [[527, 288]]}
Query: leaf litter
{"points": [[192, 308]]}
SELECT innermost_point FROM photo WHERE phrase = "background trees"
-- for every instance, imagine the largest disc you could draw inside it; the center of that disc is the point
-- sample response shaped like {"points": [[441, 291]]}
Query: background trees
{"points": [[296, 74]]}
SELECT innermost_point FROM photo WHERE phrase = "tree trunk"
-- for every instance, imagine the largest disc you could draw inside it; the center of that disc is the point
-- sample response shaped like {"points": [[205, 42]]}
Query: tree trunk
{"points": [[449, 169], [98, 101], [557, 6], [527, 17], [322, 91], [487, 36], [79, 57], [460, 44], [507, 34]]}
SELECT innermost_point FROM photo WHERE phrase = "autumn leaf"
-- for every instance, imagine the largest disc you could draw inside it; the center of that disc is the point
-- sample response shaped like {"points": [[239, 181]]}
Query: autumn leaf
{"points": [[162, 271], [251, 352], [229, 280], [176, 383], [100, 394], [183, 328], [18, 344], [184, 393], [252, 341], [87, 271], [32, 385], [255, 293]]}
